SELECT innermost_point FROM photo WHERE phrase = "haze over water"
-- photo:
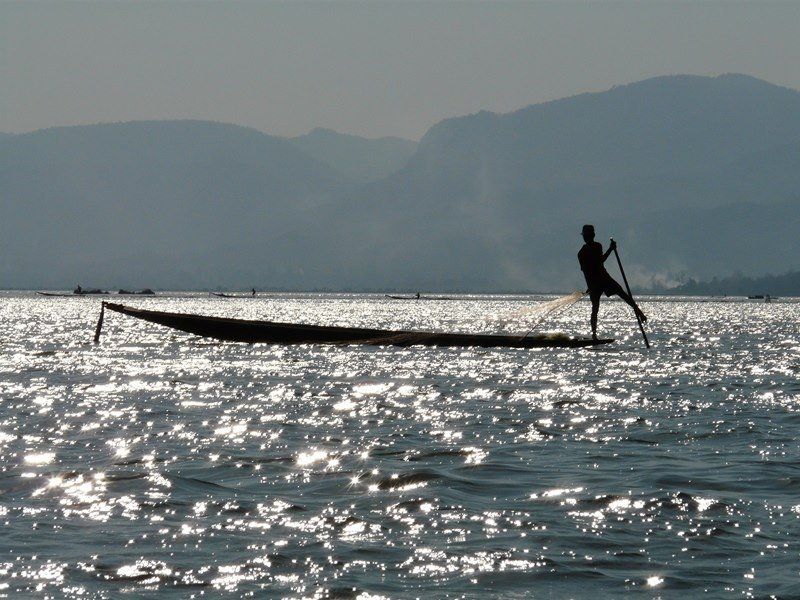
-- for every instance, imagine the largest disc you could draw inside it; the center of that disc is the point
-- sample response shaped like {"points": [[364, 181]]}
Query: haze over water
{"points": [[158, 463]]}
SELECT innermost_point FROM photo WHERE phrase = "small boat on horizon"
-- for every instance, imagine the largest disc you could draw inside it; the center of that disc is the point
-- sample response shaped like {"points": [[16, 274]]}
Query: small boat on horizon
{"points": [[417, 297], [224, 295], [122, 292], [76, 293]]}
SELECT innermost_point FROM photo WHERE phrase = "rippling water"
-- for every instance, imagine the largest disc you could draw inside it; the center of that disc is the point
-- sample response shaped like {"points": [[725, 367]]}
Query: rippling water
{"points": [[158, 463]]}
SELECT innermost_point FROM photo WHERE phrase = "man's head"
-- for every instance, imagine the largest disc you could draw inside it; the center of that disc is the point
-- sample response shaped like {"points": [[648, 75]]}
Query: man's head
{"points": [[588, 233]]}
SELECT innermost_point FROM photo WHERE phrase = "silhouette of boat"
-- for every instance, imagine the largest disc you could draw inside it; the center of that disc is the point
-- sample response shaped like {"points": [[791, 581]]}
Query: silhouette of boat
{"points": [[414, 297], [144, 292], [223, 295], [269, 332], [75, 293]]}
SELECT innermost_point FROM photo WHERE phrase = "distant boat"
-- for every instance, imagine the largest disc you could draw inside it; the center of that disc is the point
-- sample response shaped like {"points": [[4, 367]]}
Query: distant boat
{"points": [[756, 297], [269, 332], [223, 295], [416, 297], [144, 292], [74, 293]]}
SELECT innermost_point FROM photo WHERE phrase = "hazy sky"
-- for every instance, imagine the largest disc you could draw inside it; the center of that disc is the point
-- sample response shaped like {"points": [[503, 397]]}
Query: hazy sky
{"points": [[369, 68]]}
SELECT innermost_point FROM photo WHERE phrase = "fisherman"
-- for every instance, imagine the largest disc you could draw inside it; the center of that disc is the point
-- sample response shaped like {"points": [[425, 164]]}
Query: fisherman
{"points": [[254, 292], [417, 296], [598, 281]]}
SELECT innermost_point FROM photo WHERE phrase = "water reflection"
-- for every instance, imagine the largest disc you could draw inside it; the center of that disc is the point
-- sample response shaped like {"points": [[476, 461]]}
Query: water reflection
{"points": [[160, 463]]}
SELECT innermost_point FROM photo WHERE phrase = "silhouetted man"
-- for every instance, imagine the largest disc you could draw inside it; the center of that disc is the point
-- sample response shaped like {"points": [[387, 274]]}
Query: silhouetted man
{"points": [[599, 282]]}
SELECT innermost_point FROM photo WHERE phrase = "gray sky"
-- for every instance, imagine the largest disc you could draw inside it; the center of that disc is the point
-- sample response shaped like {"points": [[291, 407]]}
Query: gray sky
{"points": [[368, 68]]}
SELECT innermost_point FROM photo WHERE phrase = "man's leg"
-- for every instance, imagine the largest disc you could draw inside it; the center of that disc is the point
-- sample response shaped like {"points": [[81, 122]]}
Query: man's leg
{"points": [[631, 302], [595, 298]]}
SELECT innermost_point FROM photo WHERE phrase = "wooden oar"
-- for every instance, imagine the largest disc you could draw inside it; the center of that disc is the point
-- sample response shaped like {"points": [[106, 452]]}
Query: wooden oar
{"points": [[99, 326], [628, 287]]}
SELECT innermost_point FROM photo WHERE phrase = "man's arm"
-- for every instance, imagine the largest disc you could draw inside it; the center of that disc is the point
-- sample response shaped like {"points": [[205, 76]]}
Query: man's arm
{"points": [[611, 248]]}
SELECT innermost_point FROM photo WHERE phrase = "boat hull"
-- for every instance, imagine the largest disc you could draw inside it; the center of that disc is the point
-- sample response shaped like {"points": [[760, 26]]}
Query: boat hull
{"points": [[269, 332], [72, 294], [418, 298], [223, 295]]}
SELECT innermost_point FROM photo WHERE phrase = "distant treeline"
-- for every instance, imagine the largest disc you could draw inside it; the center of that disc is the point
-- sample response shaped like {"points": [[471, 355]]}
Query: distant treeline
{"points": [[787, 284]]}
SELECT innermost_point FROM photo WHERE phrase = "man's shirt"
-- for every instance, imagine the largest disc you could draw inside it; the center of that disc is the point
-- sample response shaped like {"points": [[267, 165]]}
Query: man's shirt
{"points": [[590, 258]]}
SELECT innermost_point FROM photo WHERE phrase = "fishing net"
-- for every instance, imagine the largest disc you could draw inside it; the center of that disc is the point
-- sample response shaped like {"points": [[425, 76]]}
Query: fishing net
{"points": [[530, 316]]}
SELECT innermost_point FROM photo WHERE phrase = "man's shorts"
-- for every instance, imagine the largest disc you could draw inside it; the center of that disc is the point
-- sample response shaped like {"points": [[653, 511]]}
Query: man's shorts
{"points": [[608, 286]]}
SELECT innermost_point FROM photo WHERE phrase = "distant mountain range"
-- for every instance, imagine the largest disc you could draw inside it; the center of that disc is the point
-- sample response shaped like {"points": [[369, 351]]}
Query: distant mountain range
{"points": [[361, 160], [147, 201], [694, 176]]}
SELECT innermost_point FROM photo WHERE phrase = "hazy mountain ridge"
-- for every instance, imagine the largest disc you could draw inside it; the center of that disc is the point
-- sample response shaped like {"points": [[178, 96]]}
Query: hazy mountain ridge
{"points": [[80, 196], [660, 125], [633, 159], [695, 176], [361, 159]]}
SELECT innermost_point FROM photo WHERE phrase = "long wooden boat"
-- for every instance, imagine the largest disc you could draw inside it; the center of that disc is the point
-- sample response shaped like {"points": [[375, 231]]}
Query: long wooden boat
{"points": [[270, 332]]}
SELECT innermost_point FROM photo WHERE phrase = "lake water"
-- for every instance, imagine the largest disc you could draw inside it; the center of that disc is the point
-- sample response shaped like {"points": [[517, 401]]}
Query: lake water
{"points": [[160, 464]]}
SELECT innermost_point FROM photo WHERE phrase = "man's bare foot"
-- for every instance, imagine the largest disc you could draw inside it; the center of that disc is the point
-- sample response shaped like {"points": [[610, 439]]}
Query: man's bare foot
{"points": [[594, 336]]}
